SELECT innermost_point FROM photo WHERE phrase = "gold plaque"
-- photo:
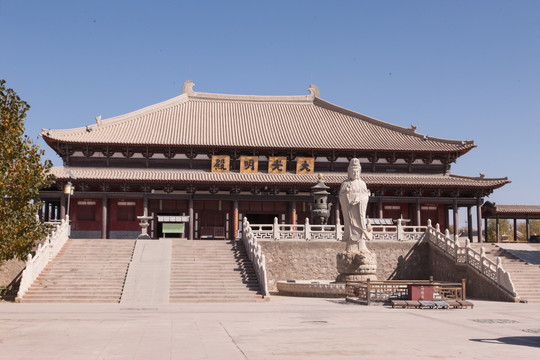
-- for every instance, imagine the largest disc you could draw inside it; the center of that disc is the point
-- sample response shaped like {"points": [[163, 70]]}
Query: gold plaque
{"points": [[277, 165], [220, 163], [249, 164], [305, 165]]}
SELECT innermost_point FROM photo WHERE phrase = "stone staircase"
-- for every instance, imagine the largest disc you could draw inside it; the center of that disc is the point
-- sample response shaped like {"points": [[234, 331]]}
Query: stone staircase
{"points": [[212, 271], [526, 277], [85, 271]]}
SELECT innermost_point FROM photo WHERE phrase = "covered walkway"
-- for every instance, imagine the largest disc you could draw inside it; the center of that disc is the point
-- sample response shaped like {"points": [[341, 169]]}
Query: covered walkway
{"points": [[491, 210]]}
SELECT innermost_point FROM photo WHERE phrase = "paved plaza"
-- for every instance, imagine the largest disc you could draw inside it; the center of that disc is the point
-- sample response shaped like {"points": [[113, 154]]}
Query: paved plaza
{"points": [[283, 328]]}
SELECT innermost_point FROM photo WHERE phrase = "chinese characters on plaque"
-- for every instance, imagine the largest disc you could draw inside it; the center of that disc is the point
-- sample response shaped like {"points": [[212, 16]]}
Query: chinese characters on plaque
{"points": [[305, 165], [220, 163], [277, 165], [250, 164]]}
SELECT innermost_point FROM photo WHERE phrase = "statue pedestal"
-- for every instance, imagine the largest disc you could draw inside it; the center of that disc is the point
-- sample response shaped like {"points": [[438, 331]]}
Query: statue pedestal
{"points": [[356, 265]]}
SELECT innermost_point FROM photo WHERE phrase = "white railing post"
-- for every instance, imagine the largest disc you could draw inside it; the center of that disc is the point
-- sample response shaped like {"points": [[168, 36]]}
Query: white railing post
{"points": [[307, 230], [339, 234], [467, 248], [482, 258], [399, 230], [275, 229]]}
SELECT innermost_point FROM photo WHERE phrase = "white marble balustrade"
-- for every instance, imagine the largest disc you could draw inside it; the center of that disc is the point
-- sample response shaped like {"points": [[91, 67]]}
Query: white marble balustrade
{"points": [[256, 256], [308, 232], [44, 253], [467, 255]]}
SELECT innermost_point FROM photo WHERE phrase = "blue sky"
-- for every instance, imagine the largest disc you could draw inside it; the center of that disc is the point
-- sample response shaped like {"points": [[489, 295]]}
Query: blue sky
{"points": [[467, 70]]}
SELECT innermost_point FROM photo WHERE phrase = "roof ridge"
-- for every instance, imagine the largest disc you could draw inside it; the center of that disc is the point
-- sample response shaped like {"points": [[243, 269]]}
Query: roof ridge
{"points": [[187, 89], [251, 98]]}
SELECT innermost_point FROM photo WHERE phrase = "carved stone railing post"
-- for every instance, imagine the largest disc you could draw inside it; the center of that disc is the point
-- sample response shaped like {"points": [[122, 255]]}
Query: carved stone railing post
{"points": [[339, 233], [399, 230], [307, 230], [482, 259], [503, 277], [275, 229], [467, 249]]}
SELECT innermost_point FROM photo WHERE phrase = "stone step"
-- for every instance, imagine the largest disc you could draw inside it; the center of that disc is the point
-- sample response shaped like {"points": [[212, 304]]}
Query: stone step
{"points": [[76, 296], [66, 289], [107, 291], [84, 271], [78, 300], [197, 280], [207, 284], [214, 295], [87, 277], [205, 274], [214, 272], [225, 273], [207, 280]]}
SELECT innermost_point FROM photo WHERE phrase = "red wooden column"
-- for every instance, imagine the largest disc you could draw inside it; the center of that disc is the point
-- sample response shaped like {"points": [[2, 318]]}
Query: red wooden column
{"points": [[456, 218], [235, 218], [479, 219], [104, 216], [418, 213], [485, 227], [293, 212], [527, 226], [62, 207], [497, 228], [191, 220], [469, 222]]}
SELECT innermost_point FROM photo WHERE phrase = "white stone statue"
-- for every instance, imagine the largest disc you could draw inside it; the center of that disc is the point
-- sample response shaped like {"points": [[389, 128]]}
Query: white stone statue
{"points": [[357, 263], [354, 198]]}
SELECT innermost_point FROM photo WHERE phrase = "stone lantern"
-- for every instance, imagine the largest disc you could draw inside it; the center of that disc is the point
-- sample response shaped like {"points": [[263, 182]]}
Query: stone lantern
{"points": [[320, 207]]}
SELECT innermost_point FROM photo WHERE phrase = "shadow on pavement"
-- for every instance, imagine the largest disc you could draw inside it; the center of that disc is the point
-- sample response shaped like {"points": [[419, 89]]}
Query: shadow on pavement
{"points": [[533, 341]]}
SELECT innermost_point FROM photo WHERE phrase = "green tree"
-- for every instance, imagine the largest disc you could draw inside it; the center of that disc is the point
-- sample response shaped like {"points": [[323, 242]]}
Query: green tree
{"points": [[22, 174], [534, 228], [505, 228]]}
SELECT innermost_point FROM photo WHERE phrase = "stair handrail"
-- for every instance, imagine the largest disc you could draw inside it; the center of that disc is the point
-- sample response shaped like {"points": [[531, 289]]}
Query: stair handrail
{"points": [[257, 258], [45, 252], [451, 247]]}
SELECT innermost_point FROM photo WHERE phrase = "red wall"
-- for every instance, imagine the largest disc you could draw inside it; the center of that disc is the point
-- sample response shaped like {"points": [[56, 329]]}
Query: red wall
{"points": [[77, 224], [115, 225]]}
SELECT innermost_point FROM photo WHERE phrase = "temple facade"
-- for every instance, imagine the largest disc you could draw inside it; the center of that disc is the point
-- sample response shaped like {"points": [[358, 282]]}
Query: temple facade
{"points": [[198, 163]]}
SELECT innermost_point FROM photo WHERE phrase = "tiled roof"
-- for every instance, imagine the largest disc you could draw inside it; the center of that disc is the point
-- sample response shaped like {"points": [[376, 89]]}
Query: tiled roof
{"points": [[196, 119], [503, 210], [92, 174]]}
